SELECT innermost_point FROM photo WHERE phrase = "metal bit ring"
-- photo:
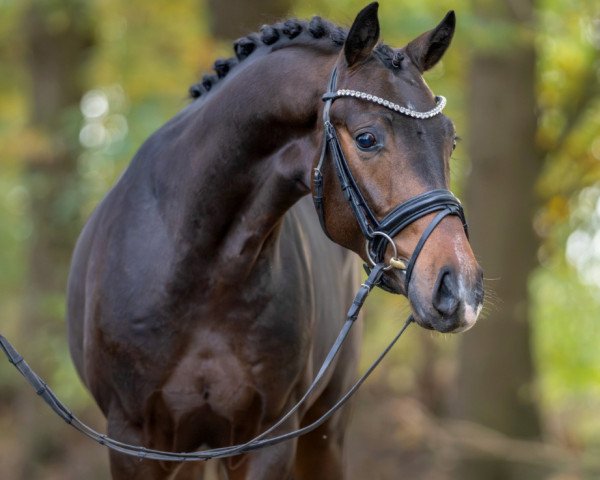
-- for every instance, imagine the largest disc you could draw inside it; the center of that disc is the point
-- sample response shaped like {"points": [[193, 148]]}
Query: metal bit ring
{"points": [[394, 258]]}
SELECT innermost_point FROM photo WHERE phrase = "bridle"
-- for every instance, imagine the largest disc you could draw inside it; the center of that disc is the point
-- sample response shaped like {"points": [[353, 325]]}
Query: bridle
{"points": [[378, 234]]}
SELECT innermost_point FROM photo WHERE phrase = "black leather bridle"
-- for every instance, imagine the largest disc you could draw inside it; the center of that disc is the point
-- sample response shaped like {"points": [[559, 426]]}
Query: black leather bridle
{"points": [[379, 233]]}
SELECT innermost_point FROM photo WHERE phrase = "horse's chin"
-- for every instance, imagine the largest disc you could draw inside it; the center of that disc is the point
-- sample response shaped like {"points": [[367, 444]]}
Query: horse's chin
{"points": [[429, 324], [433, 321]]}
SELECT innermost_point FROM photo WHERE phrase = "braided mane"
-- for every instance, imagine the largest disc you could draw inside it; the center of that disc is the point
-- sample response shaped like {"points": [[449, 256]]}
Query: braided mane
{"points": [[317, 28]]}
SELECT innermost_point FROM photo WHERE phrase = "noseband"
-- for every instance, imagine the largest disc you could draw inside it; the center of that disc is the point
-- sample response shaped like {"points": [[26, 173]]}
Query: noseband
{"points": [[379, 233]]}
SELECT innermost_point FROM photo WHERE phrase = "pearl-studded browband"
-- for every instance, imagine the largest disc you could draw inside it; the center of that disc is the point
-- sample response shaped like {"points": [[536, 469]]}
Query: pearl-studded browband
{"points": [[439, 100]]}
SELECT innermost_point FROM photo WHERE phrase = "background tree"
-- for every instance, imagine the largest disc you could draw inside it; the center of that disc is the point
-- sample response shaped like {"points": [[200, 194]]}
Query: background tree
{"points": [[495, 381], [231, 19], [56, 50]]}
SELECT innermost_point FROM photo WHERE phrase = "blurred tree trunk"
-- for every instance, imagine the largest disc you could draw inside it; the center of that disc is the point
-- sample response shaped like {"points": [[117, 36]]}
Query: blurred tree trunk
{"points": [[57, 36], [233, 18], [495, 381]]}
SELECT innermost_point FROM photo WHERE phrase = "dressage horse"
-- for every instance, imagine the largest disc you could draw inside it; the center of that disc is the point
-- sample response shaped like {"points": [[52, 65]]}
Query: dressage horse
{"points": [[204, 292]]}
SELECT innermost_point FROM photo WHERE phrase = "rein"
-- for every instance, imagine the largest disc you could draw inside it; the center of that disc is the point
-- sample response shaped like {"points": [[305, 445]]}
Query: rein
{"points": [[261, 440], [378, 234]]}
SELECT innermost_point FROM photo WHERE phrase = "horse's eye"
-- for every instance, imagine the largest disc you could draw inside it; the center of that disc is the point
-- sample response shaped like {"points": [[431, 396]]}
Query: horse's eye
{"points": [[366, 141]]}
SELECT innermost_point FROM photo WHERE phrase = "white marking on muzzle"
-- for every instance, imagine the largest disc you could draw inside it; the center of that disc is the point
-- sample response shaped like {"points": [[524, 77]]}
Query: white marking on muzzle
{"points": [[470, 313], [469, 317]]}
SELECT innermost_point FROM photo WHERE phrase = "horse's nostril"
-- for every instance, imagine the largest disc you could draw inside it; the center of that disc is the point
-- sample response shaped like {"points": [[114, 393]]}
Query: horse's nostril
{"points": [[445, 299]]}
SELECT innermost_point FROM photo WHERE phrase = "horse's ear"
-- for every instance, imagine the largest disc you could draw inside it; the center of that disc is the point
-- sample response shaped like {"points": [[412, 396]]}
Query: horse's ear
{"points": [[427, 50], [363, 35]]}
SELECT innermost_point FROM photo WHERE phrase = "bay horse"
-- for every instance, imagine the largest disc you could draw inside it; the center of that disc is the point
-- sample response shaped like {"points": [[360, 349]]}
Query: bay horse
{"points": [[204, 294]]}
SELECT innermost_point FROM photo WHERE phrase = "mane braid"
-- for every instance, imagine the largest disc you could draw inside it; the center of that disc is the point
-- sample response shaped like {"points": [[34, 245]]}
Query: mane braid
{"points": [[315, 29]]}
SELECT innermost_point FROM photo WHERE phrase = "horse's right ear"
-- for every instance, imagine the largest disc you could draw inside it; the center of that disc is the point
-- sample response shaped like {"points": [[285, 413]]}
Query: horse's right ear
{"points": [[363, 35]]}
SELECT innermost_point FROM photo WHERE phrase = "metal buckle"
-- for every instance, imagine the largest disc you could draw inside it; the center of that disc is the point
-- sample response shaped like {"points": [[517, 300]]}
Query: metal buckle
{"points": [[395, 262]]}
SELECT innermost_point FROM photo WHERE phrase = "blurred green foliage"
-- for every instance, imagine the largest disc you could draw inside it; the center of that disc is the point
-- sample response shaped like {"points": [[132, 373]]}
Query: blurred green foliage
{"points": [[147, 54]]}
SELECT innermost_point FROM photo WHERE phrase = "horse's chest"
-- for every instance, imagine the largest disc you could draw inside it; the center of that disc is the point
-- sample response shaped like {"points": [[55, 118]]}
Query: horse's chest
{"points": [[209, 373], [228, 368]]}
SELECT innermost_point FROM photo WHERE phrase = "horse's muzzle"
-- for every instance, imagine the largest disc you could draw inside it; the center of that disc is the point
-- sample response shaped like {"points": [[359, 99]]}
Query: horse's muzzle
{"points": [[454, 304]]}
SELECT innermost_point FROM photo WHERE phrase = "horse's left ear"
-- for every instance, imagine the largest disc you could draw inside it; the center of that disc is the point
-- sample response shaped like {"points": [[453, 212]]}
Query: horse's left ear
{"points": [[427, 50], [363, 35]]}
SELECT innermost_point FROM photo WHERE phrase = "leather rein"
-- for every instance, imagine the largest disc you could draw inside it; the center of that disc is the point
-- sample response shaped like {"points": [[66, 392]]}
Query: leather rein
{"points": [[378, 234]]}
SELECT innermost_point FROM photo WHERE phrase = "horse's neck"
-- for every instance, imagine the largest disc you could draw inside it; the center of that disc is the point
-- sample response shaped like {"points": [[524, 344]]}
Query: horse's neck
{"points": [[231, 166]]}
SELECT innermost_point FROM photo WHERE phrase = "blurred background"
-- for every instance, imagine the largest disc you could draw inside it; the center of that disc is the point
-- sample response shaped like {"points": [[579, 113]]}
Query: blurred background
{"points": [[84, 82]]}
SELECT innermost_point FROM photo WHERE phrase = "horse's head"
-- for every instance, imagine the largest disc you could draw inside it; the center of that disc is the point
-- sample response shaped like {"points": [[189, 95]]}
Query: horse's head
{"points": [[396, 156]]}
